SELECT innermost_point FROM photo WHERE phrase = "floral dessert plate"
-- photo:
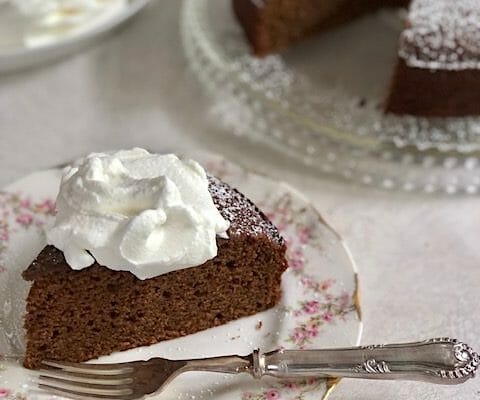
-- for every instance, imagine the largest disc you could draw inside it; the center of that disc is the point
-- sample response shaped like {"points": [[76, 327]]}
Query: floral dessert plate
{"points": [[319, 306]]}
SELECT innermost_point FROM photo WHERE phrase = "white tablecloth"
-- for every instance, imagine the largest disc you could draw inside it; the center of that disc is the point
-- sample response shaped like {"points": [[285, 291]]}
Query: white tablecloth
{"points": [[418, 255]]}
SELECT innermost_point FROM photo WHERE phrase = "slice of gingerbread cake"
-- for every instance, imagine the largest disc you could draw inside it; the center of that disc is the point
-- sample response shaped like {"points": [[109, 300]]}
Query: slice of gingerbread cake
{"points": [[121, 277]]}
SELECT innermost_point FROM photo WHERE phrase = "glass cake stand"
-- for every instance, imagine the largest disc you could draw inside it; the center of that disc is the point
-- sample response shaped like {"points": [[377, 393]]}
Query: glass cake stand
{"points": [[321, 103]]}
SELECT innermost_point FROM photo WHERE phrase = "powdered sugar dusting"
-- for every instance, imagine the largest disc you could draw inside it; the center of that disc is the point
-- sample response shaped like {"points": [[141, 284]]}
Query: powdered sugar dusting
{"points": [[245, 218], [442, 34]]}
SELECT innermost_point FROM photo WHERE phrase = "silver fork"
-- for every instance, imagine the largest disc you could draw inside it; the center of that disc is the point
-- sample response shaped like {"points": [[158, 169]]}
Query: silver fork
{"points": [[443, 360]]}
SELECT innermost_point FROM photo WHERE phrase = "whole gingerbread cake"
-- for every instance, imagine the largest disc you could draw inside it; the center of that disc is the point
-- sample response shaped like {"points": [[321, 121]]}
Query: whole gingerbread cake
{"points": [[77, 315], [438, 66]]}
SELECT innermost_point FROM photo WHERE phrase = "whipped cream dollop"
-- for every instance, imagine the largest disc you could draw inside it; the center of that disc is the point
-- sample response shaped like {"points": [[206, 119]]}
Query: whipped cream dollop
{"points": [[135, 211]]}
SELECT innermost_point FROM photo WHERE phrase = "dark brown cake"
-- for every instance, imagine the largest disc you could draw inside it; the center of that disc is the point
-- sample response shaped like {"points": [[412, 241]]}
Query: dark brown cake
{"points": [[438, 68], [274, 25], [441, 93], [79, 315]]}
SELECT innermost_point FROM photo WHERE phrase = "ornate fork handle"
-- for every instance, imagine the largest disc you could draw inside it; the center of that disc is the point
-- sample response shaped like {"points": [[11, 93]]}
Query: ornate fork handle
{"points": [[442, 360], [437, 361]]}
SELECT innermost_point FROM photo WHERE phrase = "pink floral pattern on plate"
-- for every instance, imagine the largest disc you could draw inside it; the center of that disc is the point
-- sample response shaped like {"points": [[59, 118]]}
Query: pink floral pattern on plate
{"points": [[291, 390], [320, 305], [18, 211]]}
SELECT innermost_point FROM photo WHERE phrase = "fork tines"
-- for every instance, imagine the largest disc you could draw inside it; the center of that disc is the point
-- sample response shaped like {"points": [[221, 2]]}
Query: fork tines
{"points": [[87, 381]]}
